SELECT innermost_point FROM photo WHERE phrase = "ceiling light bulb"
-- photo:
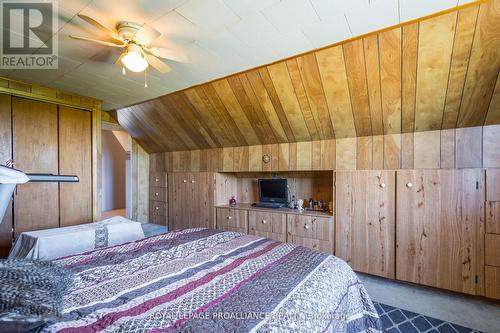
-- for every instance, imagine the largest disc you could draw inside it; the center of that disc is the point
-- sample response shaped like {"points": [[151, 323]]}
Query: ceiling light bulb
{"points": [[134, 61]]}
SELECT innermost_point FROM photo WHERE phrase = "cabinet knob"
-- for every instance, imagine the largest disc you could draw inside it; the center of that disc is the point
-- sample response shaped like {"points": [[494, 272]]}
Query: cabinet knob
{"points": [[184, 181], [264, 221], [157, 194], [157, 179], [306, 226], [157, 208], [382, 185], [192, 181], [409, 185], [229, 217]]}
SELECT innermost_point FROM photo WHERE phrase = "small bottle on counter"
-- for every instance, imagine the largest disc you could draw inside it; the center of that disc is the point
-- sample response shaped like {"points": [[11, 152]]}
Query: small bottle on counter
{"points": [[232, 201]]}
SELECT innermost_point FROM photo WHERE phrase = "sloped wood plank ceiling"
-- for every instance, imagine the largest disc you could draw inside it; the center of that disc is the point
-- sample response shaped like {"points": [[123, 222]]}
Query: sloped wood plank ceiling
{"points": [[437, 73]]}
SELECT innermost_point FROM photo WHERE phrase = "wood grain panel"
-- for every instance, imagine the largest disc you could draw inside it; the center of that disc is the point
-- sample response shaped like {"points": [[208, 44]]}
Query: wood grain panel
{"points": [[493, 116], [492, 250], [493, 184], [427, 150], [464, 34], [491, 153], [365, 221], [284, 88], [433, 70], [365, 153], [448, 149], [241, 162], [493, 217], [328, 154], [284, 157], [255, 158], [75, 158], [409, 77], [356, 76], [304, 156], [372, 62], [481, 76], [469, 147], [333, 75], [345, 154], [407, 151], [492, 285], [228, 159], [442, 207], [35, 150], [392, 151], [390, 77]]}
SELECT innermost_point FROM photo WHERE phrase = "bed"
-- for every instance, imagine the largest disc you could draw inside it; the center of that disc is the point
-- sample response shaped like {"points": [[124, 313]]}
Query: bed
{"points": [[205, 280]]}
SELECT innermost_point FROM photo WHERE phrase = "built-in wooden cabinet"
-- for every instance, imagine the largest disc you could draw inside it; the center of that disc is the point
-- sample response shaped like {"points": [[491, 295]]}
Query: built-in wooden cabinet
{"points": [[311, 231], [232, 219], [191, 200], [267, 224], [492, 236], [440, 228], [158, 204], [365, 220]]}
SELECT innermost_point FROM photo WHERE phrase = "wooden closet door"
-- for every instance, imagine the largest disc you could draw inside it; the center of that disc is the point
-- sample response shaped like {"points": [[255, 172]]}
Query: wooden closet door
{"points": [[440, 228], [36, 205], [203, 200], [75, 158], [177, 194], [365, 220]]}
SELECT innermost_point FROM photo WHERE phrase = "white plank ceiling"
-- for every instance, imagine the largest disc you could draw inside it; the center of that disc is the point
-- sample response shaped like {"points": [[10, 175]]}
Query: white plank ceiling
{"points": [[220, 37]]}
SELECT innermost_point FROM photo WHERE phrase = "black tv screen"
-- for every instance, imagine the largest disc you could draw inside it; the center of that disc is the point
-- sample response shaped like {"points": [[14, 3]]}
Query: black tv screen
{"points": [[273, 190]]}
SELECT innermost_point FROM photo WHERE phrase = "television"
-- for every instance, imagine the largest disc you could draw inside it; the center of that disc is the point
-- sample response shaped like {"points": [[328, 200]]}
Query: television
{"points": [[273, 190]]}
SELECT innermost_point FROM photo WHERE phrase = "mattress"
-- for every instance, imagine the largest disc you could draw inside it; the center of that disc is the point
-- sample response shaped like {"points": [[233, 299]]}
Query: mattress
{"points": [[204, 280]]}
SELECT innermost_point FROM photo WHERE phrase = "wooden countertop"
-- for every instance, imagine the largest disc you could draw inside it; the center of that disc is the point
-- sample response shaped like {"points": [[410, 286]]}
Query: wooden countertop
{"points": [[246, 206]]}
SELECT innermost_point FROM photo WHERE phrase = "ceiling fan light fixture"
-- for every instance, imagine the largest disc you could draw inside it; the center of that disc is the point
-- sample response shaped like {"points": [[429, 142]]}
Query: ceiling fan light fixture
{"points": [[134, 60]]}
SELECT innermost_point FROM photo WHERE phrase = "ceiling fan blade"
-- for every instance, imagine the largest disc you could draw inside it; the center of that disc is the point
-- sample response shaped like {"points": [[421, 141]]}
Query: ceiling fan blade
{"points": [[102, 42], [100, 26], [146, 34], [168, 54], [157, 63], [119, 59]]}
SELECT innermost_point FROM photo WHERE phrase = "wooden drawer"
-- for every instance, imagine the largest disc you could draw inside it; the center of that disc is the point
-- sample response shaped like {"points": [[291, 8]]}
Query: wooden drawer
{"points": [[313, 243], [493, 217], [158, 179], [158, 193], [304, 226], [492, 282], [232, 219], [266, 224], [158, 208], [158, 219], [492, 250]]}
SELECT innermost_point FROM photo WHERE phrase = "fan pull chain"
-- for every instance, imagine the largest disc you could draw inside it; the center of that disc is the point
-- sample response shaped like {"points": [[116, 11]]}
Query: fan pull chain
{"points": [[124, 72], [145, 78]]}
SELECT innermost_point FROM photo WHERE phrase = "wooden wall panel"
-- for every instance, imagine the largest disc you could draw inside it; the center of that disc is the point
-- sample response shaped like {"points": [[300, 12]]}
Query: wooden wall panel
{"points": [[493, 217], [409, 76], [420, 76], [333, 75], [346, 154], [427, 150], [408, 150], [75, 158], [392, 151], [491, 152], [448, 149], [493, 184], [492, 249], [433, 69], [390, 76], [469, 147], [483, 67], [492, 286]]}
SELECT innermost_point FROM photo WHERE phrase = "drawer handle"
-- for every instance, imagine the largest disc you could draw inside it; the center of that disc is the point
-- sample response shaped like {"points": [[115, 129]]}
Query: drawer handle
{"points": [[409, 185], [229, 217], [184, 181], [157, 208], [264, 221], [192, 181], [382, 185], [306, 226]]}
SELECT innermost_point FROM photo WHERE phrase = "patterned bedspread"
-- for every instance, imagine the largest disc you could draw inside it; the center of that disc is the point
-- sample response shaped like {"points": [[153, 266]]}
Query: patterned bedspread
{"points": [[203, 280]]}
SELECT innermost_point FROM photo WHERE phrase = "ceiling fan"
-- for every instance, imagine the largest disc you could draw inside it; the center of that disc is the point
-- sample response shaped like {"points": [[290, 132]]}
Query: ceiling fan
{"points": [[136, 39]]}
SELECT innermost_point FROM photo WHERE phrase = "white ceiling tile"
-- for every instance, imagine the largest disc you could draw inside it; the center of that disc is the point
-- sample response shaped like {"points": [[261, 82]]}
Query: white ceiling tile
{"points": [[376, 15], [291, 14], [244, 8], [291, 43], [328, 32], [328, 9], [208, 14], [411, 9], [252, 29], [223, 44], [177, 28], [463, 2]]}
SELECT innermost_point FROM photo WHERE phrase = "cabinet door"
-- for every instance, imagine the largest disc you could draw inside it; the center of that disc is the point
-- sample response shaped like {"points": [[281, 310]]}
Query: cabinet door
{"points": [[202, 205], [310, 231], [36, 205], [177, 192], [440, 231], [270, 225], [75, 158], [232, 219], [365, 221]]}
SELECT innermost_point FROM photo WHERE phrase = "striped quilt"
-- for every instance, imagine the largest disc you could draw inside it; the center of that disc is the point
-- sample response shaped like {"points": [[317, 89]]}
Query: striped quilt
{"points": [[203, 280]]}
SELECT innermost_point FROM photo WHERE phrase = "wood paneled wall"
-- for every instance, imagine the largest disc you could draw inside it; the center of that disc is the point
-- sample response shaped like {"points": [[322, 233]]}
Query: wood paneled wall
{"points": [[473, 147], [439, 73]]}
